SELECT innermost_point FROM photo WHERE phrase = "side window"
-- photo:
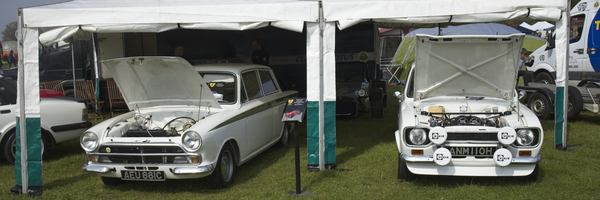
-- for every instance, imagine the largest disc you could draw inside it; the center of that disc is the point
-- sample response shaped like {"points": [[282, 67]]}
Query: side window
{"points": [[576, 29], [267, 82], [252, 85]]}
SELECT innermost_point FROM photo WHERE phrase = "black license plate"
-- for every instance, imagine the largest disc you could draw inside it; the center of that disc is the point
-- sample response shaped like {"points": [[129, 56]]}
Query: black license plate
{"points": [[143, 175], [472, 151]]}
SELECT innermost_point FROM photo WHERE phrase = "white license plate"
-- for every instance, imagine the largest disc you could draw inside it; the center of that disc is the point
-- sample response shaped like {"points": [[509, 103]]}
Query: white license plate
{"points": [[143, 175], [472, 151]]}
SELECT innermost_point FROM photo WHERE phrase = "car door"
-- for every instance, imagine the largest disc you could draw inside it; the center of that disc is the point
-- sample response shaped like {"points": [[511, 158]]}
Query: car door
{"points": [[275, 105], [7, 109], [578, 61], [259, 117]]}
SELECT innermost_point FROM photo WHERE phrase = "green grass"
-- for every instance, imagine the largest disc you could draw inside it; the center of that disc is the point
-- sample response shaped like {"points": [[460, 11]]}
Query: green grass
{"points": [[366, 160]]}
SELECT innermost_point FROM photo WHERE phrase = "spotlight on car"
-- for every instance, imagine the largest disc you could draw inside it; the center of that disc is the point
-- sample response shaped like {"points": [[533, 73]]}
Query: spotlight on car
{"points": [[361, 93]]}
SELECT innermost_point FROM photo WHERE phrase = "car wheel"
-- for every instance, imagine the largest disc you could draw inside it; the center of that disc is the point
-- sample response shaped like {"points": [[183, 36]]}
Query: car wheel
{"points": [[403, 172], [222, 176], [534, 175], [540, 105], [10, 147], [377, 109], [285, 134], [111, 181], [575, 102], [544, 77]]}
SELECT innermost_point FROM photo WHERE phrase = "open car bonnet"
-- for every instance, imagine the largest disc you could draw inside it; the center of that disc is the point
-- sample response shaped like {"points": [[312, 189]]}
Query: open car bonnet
{"points": [[157, 81], [481, 65]]}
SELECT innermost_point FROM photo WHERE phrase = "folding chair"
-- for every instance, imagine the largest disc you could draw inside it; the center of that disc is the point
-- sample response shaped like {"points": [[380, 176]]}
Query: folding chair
{"points": [[114, 97], [87, 91], [54, 85]]}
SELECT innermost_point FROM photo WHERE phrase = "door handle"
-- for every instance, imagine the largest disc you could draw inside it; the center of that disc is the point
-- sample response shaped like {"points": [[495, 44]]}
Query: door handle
{"points": [[4, 111], [578, 51], [591, 50]]}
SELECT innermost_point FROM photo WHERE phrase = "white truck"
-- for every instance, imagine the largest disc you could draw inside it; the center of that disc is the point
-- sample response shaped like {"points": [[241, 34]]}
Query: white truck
{"points": [[584, 60]]}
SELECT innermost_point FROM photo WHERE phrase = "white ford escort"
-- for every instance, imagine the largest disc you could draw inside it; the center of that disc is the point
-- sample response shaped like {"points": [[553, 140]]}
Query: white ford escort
{"points": [[460, 115], [186, 123]]}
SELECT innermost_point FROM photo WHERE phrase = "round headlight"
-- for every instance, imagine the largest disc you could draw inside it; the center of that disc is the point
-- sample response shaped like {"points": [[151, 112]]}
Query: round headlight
{"points": [[417, 136], [361, 93], [525, 137], [191, 140], [89, 141]]}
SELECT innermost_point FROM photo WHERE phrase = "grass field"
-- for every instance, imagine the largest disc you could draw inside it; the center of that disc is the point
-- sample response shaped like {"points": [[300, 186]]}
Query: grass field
{"points": [[366, 161]]}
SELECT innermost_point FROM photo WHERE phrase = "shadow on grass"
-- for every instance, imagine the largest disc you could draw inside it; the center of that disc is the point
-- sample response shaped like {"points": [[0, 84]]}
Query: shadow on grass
{"points": [[449, 182], [62, 150]]}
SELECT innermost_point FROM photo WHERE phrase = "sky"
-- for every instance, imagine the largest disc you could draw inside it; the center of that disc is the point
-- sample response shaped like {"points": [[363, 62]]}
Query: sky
{"points": [[9, 9]]}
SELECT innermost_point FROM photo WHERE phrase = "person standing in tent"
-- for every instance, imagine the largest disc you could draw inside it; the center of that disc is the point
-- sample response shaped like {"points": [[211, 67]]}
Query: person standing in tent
{"points": [[524, 61], [11, 58], [178, 51], [259, 53]]}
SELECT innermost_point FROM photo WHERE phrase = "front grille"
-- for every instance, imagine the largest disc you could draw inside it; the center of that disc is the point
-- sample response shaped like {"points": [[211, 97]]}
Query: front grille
{"points": [[140, 154], [472, 137]]}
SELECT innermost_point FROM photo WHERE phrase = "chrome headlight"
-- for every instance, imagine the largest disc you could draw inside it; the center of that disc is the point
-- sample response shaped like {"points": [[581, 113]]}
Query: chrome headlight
{"points": [[89, 141], [361, 93], [525, 137], [417, 136], [191, 140]]}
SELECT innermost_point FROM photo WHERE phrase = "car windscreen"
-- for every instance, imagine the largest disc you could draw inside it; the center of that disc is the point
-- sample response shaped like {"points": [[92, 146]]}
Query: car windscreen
{"points": [[222, 86]]}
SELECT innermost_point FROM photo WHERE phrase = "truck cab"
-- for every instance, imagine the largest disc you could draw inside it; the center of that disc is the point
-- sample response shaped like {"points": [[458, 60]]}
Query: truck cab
{"points": [[584, 41]]}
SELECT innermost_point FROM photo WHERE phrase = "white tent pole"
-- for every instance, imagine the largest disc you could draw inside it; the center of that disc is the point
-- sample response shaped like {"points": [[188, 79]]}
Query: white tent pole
{"points": [[321, 95], [21, 97], [562, 78]]}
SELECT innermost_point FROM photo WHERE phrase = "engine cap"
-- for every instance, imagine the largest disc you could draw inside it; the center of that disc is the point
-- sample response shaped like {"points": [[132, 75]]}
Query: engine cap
{"points": [[502, 157], [438, 135], [442, 156], [507, 135]]}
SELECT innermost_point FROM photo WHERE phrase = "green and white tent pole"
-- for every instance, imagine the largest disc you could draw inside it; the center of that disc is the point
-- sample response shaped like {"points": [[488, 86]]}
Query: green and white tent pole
{"points": [[320, 74], [28, 155], [562, 78]]}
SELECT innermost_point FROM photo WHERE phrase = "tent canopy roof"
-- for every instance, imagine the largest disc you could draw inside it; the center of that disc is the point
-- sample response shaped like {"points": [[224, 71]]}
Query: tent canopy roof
{"points": [[409, 13]]}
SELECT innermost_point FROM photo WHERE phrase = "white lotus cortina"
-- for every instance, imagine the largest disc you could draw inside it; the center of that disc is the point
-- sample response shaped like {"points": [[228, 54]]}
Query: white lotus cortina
{"points": [[459, 114], [185, 122]]}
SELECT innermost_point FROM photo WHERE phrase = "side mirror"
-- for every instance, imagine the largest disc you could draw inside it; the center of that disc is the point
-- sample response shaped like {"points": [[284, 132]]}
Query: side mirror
{"points": [[398, 95], [522, 94]]}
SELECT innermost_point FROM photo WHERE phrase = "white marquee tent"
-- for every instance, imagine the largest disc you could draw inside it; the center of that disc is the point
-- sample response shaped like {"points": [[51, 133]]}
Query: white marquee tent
{"points": [[52, 23]]}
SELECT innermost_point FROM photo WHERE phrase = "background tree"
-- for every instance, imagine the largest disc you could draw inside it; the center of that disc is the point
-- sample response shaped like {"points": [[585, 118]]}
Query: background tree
{"points": [[9, 32]]}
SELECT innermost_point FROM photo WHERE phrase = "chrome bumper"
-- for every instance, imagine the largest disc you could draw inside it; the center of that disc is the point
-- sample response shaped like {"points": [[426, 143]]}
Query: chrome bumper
{"points": [[99, 169], [519, 160], [178, 170]]}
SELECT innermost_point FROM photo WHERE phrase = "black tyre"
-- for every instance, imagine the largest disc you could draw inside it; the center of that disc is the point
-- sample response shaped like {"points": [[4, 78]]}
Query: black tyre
{"points": [[575, 102], [534, 175], [544, 77], [377, 109], [111, 181], [285, 135], [540, 105], [10, 147], [222, 176], [403, 172]]}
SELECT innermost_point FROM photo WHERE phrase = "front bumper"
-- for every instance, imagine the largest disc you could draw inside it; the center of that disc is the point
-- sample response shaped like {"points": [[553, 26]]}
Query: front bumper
{"points": [[171, 172], [470, 166]]}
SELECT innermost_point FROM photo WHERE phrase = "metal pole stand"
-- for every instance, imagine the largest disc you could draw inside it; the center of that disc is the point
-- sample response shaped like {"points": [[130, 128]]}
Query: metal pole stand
{"points": [[298, 192]]}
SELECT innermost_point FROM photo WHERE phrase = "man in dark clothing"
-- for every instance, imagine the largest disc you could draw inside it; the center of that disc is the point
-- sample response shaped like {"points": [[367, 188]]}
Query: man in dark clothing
{"points": [[259, 54], [527, 75], [11, 58]]}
